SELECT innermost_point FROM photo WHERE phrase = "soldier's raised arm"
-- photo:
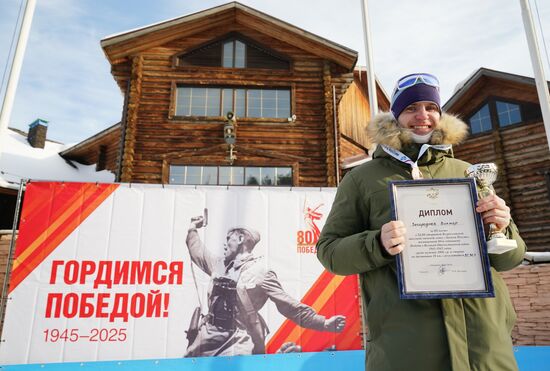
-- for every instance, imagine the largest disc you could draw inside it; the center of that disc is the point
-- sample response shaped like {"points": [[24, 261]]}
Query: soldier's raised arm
{"points": [[200, 255]]}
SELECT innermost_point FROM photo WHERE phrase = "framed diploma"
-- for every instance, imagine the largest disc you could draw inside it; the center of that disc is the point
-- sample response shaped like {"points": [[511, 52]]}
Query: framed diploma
{"points": [[445, 254]]}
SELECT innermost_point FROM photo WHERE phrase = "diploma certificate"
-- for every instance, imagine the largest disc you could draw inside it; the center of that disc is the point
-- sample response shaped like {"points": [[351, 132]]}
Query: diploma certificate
{"points": [[445, 254]]}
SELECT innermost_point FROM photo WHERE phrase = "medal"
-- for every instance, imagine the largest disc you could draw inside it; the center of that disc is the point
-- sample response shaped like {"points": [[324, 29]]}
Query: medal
{"points": [[416, 174]]}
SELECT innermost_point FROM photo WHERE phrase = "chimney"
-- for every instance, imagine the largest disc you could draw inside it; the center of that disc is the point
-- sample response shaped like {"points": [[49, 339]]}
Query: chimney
{"points": [[37, 133]]}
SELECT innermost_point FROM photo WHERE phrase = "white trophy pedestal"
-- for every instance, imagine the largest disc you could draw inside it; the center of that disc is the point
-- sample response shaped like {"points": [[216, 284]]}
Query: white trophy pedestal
{"points": [[500, 245]]}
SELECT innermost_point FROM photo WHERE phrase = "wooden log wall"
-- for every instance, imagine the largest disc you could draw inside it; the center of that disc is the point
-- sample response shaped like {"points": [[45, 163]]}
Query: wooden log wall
{"points": [[354, 115], [5, 241], [130, 126], [330, 127], [112, 152], [157, 133], [350, 148], [522, 154]]}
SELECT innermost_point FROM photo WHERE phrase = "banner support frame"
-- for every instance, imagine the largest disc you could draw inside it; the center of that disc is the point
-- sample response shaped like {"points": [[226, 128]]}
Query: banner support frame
{"points": [[4, 297]]}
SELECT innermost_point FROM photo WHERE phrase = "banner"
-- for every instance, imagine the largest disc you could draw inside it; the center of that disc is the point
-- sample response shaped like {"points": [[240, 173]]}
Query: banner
{"points": [[126, 272]]}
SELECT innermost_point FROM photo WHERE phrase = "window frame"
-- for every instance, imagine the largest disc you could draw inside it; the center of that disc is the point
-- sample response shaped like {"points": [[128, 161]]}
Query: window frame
{"points": [[496, 101], [291, 167], [235, 36], [491, 123], [234, 42], [291, 88], [491, 101]]}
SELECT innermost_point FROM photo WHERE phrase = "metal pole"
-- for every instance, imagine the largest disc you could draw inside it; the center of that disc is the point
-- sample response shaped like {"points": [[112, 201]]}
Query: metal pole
{"points": [[540, 79], [4, 298], [371, 80], [15, 69], [373, 106]]}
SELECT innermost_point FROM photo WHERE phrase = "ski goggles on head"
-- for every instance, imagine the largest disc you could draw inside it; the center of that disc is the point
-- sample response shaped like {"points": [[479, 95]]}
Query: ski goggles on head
{"points": [[411, 80]]}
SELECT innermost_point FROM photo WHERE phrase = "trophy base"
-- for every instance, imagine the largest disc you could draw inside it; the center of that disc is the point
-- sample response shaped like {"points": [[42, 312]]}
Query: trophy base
{"points": [[500, 245]]}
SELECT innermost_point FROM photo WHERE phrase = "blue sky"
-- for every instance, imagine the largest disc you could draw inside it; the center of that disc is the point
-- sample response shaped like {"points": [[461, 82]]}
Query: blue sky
{"points": [[66, 78]]}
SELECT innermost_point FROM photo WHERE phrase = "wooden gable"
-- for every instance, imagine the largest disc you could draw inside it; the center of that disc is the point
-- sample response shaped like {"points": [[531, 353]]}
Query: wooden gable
{"points": [[217, 22]]}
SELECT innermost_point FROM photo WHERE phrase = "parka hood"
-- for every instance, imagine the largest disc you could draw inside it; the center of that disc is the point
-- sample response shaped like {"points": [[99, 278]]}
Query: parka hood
{"points": [[384, 129]]}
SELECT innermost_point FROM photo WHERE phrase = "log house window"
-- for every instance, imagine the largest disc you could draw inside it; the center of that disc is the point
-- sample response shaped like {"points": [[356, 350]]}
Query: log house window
{"points": [[497, 113], [194, 101], [481, 120], [234, 52], [231, 175], [508, 113], [245, 102]]}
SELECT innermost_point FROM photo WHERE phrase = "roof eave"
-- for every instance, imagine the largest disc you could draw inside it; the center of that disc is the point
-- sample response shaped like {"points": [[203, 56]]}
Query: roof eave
{"points": [[89, 140], [481, 72]]}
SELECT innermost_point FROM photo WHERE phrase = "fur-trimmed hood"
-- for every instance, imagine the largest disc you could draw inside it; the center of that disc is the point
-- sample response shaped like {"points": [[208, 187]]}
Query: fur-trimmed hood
{"points": [[384, 129]]}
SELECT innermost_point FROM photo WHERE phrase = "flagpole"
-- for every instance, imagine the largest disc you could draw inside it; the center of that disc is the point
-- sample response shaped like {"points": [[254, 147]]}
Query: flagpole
{"points": [[15, 69], [540, 79], [373, 108], [371, 80]]}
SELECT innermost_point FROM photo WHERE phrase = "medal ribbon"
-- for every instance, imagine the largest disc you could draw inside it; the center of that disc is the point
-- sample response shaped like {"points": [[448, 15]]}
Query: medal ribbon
{"points": [[400, 156]]}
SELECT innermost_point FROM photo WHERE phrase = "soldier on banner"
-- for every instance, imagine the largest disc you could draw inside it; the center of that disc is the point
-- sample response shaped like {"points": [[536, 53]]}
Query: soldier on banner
{"points": [[241, 285]]}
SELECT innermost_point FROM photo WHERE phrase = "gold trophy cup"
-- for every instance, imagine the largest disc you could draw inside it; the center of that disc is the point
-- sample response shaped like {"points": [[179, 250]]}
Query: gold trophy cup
{"points": [[485, 175]]}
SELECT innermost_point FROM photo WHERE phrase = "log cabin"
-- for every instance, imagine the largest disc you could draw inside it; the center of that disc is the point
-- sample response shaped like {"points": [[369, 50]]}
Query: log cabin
{"points": [[506, 128], [300, 105]]}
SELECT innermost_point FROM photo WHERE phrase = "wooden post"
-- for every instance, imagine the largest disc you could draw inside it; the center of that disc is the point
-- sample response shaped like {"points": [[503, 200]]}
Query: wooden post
{"points": [[132, 118], [329, 125]]}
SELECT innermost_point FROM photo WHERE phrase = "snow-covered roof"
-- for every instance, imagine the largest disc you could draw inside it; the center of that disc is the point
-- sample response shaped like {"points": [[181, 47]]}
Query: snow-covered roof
{"points": [[19, 160]]}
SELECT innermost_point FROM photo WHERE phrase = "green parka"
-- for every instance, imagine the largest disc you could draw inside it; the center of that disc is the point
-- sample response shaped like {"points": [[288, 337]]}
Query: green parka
{"points": [[427, 335]]}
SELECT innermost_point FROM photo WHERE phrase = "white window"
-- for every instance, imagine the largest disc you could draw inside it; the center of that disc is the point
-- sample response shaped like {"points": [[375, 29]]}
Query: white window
{"points": [[234, 54], [481, 120], [508, 113], [216, 101], [231, 175]]}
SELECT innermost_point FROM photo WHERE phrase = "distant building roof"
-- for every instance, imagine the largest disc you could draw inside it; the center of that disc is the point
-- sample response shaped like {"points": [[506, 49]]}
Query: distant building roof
{"points": [[465, 85], [21, 161]]}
